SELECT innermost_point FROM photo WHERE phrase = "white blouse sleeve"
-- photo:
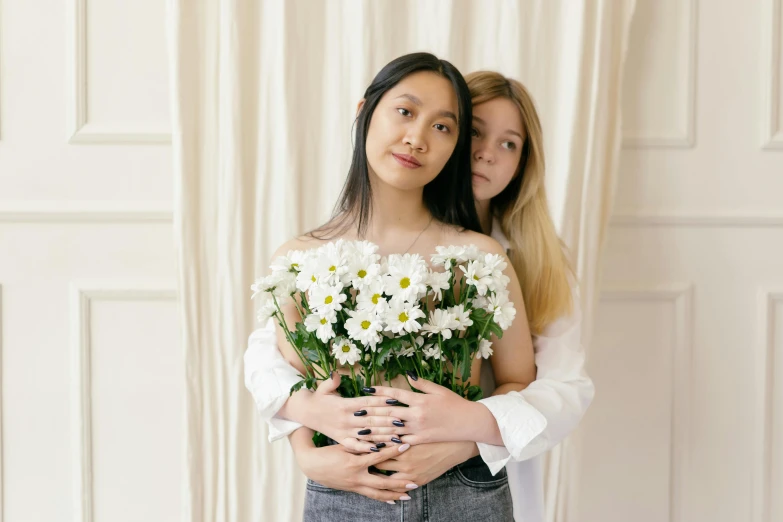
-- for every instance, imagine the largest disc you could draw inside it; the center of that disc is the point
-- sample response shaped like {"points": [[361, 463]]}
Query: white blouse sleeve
{"points": [[269, 378], [543, 414]]}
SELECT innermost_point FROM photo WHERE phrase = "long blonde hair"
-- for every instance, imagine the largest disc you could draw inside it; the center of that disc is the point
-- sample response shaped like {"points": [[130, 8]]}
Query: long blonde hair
{"points": [[537, 253]]}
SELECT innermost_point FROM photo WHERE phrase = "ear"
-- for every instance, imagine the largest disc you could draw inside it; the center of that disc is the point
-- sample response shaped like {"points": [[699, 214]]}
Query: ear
{"points": [[359, 106]]}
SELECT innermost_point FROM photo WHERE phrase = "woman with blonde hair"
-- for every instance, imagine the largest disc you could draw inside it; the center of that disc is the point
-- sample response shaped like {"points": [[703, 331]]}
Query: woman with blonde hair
{"points": [[507, 164]]}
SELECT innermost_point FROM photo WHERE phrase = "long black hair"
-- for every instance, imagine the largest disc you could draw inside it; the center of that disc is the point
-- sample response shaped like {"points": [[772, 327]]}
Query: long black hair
{"points": [[449, 197]]}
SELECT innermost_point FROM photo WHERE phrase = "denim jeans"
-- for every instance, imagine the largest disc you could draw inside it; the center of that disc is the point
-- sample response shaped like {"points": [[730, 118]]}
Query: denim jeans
{"points": [[467, 492]]}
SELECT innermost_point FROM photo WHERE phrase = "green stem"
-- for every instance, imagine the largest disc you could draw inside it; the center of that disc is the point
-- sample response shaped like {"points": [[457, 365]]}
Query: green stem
{"points": [[353, 381]]}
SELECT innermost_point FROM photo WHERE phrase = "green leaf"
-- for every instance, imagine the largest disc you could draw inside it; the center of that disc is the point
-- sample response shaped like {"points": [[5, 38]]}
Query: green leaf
{"points": [[466, 360], [320, 440], [296, 387], [474, 393]]}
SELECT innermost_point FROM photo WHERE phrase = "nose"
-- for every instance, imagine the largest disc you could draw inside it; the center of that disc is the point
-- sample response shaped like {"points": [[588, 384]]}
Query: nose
{"points": [[483, 154], [414, 138]]}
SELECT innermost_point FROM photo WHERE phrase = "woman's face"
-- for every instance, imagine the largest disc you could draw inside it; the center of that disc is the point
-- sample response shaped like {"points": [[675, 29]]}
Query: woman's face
{"points": [[498, 136], [413, 131]]}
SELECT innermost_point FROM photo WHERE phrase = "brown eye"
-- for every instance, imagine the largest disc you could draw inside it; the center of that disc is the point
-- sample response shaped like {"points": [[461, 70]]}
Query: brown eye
{"points": [[441, 127], [404, 112]]}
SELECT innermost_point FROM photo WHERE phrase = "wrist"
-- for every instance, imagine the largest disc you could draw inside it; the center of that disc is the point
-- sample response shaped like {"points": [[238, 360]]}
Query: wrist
{"points": [[482, 425], [296, 407]]}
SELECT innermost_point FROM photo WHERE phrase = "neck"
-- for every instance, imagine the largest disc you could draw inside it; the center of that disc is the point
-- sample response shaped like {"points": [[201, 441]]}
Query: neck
{"points": [[484, 211], [396, 210]]}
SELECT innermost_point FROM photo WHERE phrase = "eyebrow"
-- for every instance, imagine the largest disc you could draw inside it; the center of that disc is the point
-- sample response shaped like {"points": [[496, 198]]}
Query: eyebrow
{"points": [[416, 101], [509, 131]]}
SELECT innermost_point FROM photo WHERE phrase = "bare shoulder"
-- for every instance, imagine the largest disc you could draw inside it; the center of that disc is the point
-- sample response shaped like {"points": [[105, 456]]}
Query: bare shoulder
{"points": [[455, 236]]}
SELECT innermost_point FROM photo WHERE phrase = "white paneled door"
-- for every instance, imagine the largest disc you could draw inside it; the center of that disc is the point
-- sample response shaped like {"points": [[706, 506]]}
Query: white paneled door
{"points": [[92, 368], [687, 424]]}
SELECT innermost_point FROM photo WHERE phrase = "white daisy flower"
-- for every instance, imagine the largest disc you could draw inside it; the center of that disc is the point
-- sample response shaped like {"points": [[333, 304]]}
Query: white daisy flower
{"points": [[432, 351], [503, 309], [291, 262], [438, 281], [327, 298], [496, 264], [362, 271], [403, 317], [409, 350], [462, 316], [484, 349], [321, 324], [407, 277], [280, 284], [306, 277], [345, 351], [441, 322], [331, 262], [478, 275], [365, 327], [471, 253], [371, 298], [363, 249], [446, 256], [266, 311]]}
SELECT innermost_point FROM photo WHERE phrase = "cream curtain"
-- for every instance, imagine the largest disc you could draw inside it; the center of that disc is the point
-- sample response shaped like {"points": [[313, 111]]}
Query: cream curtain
{"points": [[264, 93]]}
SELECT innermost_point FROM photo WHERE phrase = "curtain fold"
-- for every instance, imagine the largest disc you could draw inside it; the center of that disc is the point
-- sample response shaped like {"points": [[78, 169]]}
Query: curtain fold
{"points": [[264, 95]]}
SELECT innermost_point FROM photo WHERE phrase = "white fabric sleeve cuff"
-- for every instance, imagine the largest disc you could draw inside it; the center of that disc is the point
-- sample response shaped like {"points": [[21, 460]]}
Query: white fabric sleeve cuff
{"points": [[519, 424], [269, 377]]}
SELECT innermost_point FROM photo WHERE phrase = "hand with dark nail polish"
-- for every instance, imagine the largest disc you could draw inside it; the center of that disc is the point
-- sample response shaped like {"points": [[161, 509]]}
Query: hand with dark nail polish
{"points": [[365, 431], [359, 413], [412, 375], [396, 440], [392, 401], [374, 449], [368, 390], [397, 423], [380, 445]]}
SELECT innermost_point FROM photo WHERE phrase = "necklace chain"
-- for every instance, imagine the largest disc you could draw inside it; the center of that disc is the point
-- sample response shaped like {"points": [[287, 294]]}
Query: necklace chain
{"points": [[420, 233]]}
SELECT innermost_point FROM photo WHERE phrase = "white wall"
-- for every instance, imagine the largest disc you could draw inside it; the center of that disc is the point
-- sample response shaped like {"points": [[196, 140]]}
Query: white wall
{"points": [[92, 373], [690, 329]]}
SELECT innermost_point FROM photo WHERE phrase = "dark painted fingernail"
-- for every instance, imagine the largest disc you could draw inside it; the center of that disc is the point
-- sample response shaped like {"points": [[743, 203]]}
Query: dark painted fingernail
{"points": [[374, 449], [368, 390], [399, 423], [360, 413], [395, 439], [412, 375], [331, 374], [392, 401], [365, 431], [380, 445]]}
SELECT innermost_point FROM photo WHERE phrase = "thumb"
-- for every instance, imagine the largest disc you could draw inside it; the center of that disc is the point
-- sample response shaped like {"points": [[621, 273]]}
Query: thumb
{"points": [[329, 385], [425, 386]]}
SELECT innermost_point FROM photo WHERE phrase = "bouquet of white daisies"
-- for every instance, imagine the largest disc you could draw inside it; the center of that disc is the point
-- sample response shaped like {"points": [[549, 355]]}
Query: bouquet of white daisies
{"points": [[383, 317]]}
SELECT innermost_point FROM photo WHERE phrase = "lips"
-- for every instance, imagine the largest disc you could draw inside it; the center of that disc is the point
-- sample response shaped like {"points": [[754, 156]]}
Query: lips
{"points": [[481, 176], [407, 161]]}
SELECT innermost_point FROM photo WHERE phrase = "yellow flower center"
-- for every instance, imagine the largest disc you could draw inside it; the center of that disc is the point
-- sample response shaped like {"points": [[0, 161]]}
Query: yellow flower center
{"points": [[405, 282], [403, 317], [476, 277], [312, 278], [375, 298], [328, 299], [332, 268], [366, 324], [362, 273], [346, 348], [294, 265], [323, 321]]}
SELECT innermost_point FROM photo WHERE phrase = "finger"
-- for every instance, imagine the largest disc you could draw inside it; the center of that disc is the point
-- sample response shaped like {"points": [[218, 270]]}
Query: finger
{"points": [[425, 386], [404, 396], [377, 481], [413, 439], [391, 465], [329, 385], [386, 453], [386, 439], [375, 421], [368, 435], [357, 446], [390, 497], [368, 401]]}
